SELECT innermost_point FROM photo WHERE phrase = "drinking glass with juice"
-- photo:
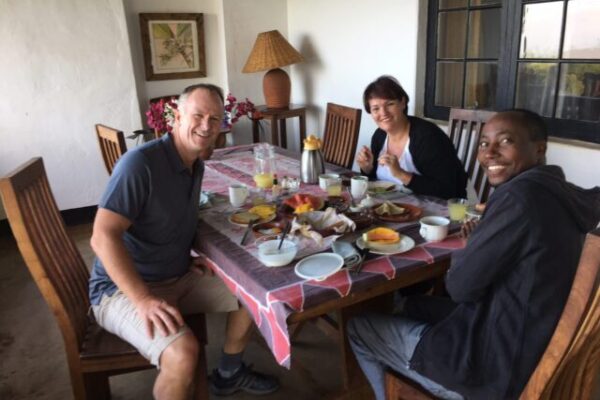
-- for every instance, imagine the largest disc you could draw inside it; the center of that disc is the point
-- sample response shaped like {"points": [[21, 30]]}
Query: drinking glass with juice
{"points": [[457, 209]]}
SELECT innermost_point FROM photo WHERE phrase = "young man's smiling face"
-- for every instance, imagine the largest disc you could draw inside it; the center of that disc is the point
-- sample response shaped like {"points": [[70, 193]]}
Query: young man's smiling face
{"points": [[506, 148]]}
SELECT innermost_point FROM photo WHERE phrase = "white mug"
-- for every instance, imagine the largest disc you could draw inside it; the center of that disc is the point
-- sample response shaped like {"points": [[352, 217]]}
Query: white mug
{"points": [[434, 229], [323, 178], [358, 186], [237, 194]]}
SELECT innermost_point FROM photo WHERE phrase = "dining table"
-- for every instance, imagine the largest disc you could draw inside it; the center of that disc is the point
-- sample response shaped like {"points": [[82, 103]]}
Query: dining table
{"points": [[276, 297]]}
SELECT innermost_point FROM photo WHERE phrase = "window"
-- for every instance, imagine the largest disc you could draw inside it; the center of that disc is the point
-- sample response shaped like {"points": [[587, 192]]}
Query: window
{"points": [[499, 54]]}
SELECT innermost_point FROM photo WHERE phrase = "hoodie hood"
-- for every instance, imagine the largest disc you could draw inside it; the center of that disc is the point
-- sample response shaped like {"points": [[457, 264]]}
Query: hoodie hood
{"points": [[582, 204]]}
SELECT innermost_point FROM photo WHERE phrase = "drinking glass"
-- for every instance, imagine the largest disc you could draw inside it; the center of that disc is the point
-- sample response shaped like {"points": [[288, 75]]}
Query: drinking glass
{"points": [[457, 209], [334, 186], [264, 165]]}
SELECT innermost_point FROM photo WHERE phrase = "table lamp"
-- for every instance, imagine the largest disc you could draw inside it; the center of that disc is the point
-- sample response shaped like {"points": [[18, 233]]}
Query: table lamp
{"points": [[270, 52]]}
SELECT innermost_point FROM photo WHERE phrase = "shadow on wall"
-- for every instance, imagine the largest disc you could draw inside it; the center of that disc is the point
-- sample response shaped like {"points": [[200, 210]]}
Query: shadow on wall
{"points": [[306, 72]]}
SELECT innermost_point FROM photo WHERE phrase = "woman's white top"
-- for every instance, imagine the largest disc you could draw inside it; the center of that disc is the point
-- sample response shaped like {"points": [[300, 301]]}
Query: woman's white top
{"points": [[405, 161]]}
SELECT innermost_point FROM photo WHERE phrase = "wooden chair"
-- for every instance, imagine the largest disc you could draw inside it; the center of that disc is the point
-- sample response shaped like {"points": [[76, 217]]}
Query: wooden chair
{"points": [[112, 145], [464, 129], [342, 125], [61, 275], [571, 362]]}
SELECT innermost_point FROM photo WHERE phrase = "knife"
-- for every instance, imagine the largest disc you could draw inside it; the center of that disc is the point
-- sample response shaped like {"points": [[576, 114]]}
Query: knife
{"points": [[247, 231], [364, 252]]}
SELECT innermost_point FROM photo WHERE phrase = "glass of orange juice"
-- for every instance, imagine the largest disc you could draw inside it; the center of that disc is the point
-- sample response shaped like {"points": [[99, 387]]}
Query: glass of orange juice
{"points": [[334, 186], [264, 165], [457, 208]]}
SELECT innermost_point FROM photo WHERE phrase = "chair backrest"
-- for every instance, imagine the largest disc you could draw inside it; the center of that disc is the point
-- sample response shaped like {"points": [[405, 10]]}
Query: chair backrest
{"points": [[112, 145], [342, 125], [50, 254], [571, 362], [464, 129]]}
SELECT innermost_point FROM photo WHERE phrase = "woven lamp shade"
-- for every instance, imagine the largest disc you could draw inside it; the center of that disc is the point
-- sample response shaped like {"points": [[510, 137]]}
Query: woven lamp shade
{"points": [[270, 52]]}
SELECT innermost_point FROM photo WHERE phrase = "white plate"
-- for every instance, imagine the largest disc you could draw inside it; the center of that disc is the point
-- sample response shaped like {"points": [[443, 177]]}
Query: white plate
{"points": [[405, 244], [375, 185], [203, 199], [319, 266]]}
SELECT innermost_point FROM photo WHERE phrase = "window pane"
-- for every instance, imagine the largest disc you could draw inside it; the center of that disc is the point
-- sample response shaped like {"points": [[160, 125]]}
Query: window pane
{"points": [[480, 85], [535, 87], [582, 34], [540, 34], [485, 2], [449, 84], [443, 4], [452, 32], [579, 92], [484, 34]]}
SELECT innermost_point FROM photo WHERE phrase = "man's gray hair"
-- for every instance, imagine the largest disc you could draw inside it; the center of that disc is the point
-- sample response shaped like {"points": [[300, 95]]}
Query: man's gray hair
{"points": [[190, 89]]}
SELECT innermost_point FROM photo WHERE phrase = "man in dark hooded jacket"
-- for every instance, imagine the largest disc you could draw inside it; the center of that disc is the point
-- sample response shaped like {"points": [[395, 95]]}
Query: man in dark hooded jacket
{"points": [[507, 287]]}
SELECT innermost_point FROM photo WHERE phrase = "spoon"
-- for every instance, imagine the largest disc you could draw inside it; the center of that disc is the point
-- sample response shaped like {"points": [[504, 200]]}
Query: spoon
{"points": [[286, 230]]}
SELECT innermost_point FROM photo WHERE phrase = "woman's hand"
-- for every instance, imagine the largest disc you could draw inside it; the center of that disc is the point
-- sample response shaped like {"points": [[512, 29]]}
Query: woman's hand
{"points": [[157, 314], [391, 161], [364, 159]]}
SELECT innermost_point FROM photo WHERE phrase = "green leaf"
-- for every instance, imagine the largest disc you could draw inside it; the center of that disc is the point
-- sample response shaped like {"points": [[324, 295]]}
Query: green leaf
{"points": [[184, 30], [162, 31]]}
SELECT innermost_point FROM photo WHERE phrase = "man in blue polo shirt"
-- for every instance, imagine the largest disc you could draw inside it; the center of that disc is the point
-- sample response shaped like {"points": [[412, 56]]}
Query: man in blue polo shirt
{"points": [[144, 279]]}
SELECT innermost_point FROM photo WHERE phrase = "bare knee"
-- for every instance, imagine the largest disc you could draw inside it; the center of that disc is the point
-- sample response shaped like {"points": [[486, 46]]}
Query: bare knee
{"points": [[181, 356]]}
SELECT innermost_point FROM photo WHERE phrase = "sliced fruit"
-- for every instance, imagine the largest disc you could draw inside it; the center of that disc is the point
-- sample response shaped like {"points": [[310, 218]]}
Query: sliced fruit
{"points": [[381, 235]]}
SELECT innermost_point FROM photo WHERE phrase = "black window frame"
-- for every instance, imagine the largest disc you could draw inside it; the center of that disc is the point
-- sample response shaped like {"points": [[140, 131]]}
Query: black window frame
{"points": [[511, 14]]}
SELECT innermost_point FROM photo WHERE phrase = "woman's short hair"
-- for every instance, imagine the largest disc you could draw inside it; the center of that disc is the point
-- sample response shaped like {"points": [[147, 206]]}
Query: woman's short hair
{"points": [[214, 89], [385, 87]]}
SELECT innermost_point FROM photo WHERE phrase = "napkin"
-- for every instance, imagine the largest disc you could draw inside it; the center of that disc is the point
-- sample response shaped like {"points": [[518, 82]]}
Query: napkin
{"points": [[347, 251], [307, 224]]}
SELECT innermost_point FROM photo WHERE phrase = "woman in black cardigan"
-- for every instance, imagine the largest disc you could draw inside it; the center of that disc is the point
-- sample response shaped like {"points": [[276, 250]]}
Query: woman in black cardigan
{"points": [[407, 150]]}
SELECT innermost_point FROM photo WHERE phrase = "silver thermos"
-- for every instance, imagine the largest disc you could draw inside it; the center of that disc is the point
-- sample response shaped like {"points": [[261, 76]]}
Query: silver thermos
{"points": [[312, 163]]}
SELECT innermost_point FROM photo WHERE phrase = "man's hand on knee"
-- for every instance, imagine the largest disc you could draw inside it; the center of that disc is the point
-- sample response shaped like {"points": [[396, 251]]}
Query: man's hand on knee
{"points": [[199, 267], [158, 314]]}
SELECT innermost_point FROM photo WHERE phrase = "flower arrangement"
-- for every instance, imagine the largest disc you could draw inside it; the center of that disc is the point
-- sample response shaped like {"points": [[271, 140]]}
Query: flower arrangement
{"points": [[235, 109], [161, 115]]}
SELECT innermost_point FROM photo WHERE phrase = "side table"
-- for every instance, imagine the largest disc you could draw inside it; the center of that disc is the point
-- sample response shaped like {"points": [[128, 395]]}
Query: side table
{"points": [[278, 117]]}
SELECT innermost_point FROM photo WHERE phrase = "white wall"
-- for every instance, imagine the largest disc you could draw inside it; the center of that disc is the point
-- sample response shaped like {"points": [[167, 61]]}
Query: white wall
{"points": [[347, 44], [244, 20], [66, 65], [214, 42]]}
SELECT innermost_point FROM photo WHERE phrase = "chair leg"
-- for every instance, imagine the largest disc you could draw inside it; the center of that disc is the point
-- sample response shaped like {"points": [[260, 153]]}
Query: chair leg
{"points": [[201, 392], [96, 386]]}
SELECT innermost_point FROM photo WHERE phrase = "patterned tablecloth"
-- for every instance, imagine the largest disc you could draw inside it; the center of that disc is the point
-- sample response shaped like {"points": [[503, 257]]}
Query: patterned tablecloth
{"points": [[272, 294]]}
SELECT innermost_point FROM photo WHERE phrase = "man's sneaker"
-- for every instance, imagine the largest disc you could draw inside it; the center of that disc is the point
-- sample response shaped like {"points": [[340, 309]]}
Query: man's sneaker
{"points": [[244, 379]]}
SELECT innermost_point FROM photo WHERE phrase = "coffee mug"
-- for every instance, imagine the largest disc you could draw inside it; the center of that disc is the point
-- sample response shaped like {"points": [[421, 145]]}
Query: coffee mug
{"points": [[358, 186], [434, 229], [323, 178], [238, 194]]}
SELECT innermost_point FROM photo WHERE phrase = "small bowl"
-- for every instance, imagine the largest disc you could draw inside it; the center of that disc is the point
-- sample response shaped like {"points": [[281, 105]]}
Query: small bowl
{"points": [[270, 256]]}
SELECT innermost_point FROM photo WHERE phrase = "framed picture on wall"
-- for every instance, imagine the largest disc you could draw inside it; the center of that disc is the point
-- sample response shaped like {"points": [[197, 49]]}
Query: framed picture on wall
{"points": [[173, 46]]}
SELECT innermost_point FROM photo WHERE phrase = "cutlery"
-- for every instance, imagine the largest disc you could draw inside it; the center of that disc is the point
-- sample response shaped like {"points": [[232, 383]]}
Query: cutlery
{"points": [[364, 252], [286, 230], [248, 229]]}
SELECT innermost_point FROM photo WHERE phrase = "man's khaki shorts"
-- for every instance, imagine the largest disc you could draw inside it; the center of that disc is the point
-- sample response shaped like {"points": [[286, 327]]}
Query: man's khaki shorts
{"points": [[191, 294]]}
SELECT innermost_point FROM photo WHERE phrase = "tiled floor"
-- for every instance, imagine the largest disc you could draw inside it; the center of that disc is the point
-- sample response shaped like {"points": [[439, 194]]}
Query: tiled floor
{"points": [[33, 363]]}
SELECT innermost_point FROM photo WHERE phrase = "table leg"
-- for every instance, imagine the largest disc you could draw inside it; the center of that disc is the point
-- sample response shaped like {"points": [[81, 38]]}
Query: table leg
{"points": [[274, 132], [255, 131], [302, 129], [283, 133], [352, 375]]}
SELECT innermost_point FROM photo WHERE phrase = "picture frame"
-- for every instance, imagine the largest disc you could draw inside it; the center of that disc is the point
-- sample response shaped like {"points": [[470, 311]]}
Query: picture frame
{"points": [[173, 45]]}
